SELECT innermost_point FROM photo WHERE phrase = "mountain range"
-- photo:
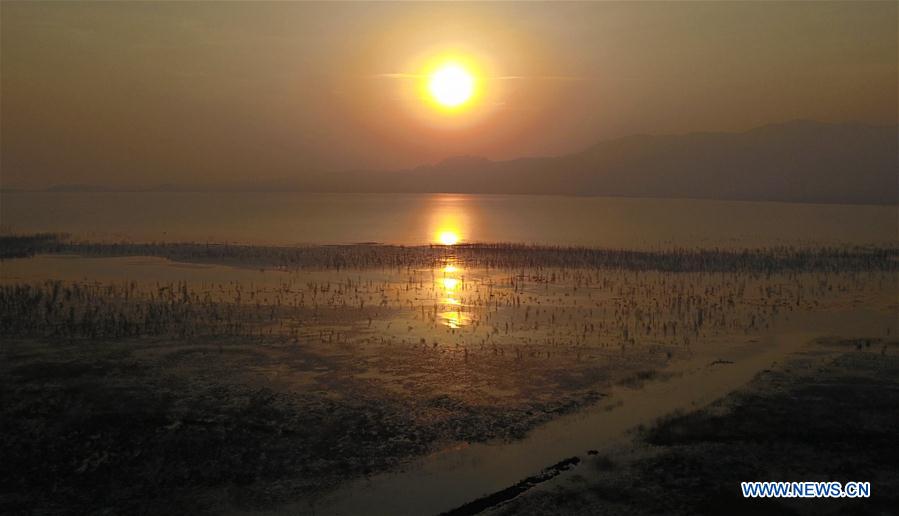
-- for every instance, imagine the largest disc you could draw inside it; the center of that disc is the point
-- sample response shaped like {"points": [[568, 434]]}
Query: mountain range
{"points": [[798, 161]]}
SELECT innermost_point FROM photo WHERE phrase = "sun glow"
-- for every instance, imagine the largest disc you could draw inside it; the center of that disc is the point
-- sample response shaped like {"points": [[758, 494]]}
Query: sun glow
{"points": [[450, 88], [451, 85]]}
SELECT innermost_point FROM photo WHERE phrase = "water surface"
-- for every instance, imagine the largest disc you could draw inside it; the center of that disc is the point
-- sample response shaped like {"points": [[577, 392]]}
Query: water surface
{"points": [[410, 219]]}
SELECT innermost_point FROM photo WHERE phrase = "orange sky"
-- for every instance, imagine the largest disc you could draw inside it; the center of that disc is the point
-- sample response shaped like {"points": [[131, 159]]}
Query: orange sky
{"points": [[148, 93]]}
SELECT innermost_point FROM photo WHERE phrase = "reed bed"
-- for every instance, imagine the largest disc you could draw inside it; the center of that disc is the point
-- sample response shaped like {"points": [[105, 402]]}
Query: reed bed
{"points": [[502, 302], [56, 309], [24, 246], [493, 256], [546, 313]]}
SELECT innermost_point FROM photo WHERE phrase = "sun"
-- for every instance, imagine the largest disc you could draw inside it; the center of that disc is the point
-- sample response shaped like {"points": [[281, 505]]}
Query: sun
{"points": [[451, 85]]}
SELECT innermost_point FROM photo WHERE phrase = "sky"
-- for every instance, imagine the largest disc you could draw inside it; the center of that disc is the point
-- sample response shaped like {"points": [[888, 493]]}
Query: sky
{"points": [[141, 94]]}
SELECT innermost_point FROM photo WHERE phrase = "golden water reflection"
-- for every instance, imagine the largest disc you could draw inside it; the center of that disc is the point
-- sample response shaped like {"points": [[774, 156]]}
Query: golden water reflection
{"points": [[449, 220], [455, 320], [448, 238], [450, 286], [450, 224]]}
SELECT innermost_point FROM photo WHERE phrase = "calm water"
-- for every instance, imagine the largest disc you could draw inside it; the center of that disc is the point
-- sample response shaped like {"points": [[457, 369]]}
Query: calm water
{"points": [[295, 218]]}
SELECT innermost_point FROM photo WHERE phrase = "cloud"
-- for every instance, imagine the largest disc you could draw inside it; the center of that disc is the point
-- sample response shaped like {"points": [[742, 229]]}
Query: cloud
{"points": [[398, 75], [543, 77], [498, 78]]}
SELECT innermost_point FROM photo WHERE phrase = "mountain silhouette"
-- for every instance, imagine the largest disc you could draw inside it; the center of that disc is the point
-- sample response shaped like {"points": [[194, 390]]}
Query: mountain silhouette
{"points": [[799, 161]]}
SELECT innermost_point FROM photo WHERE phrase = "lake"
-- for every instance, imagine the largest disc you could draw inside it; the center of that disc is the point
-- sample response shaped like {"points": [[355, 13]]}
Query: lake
{"points": [[409, 219]]}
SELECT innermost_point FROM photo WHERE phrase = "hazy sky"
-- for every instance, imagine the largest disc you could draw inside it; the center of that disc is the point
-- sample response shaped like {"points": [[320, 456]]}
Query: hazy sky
{"points": [[128, 93]]}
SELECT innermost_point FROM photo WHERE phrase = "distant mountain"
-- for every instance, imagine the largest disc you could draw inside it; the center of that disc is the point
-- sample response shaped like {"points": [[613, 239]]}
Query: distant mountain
{"points": [[78, 187], [800, 161]]}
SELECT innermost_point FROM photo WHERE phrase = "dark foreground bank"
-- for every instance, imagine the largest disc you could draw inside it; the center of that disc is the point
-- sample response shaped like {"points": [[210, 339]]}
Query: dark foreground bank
{"points": [[831, 414]]}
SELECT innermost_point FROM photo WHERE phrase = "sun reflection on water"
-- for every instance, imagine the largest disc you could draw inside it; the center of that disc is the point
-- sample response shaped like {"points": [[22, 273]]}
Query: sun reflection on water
{"points": [[455, 320], [450, 225], [448, 238], [450, 290], [450, 284], [449, 220]]}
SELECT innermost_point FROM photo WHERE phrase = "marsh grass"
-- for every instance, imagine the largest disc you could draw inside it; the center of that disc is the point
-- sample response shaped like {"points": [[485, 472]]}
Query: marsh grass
{"points": [[476, 255], [78, 310]]}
